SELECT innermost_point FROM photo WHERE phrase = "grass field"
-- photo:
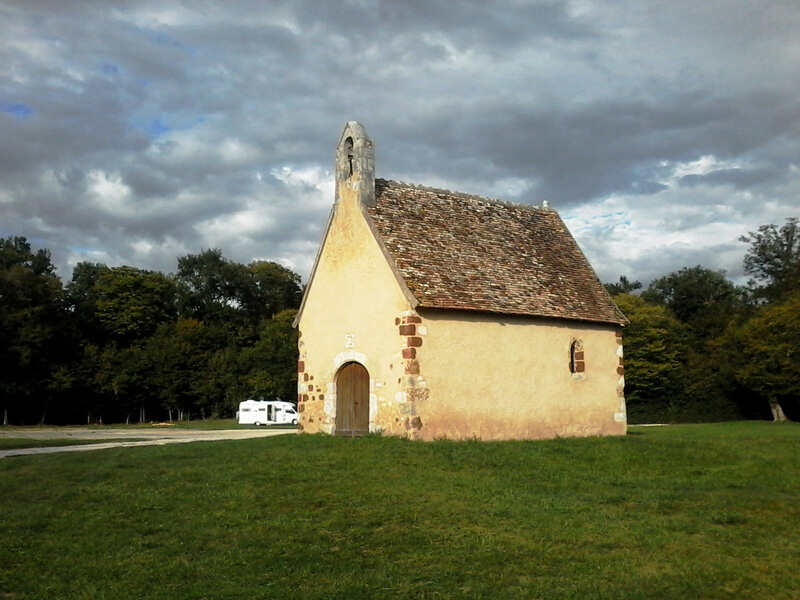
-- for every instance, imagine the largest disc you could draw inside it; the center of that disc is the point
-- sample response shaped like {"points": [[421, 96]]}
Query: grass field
{"points": [[705, 511], [9, 443]]}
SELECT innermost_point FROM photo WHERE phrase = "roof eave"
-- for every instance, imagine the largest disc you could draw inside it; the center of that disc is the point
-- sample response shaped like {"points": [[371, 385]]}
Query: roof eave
{"points": [[512, 313]]}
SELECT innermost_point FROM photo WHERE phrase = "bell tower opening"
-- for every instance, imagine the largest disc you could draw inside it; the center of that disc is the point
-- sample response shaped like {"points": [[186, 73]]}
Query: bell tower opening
{"points": [[348, 149], [355, 163]]}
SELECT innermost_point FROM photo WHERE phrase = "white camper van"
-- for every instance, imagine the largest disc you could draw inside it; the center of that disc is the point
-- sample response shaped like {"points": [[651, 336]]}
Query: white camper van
{"points": [[265, 412]]}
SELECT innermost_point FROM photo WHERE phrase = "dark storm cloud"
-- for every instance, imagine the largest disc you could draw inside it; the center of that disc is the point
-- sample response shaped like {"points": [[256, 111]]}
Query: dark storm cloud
{"points": [[135, 131]]}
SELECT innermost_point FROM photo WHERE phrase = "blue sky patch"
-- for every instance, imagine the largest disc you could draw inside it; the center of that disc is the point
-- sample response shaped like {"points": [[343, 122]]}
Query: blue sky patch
{"points": [[157, 128], [18, 109]]}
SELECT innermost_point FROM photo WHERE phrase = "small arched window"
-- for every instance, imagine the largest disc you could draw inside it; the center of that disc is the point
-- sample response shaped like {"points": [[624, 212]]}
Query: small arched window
{"points": [[348, 152], [577, 363]]}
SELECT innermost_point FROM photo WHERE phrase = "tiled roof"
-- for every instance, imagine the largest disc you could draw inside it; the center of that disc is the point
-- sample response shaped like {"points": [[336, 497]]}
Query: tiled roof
{"points": [[458, 251]]}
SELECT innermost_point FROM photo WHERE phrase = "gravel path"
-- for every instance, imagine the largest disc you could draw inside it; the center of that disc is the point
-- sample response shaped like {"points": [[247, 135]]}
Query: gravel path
{"points": [[155, 437]]}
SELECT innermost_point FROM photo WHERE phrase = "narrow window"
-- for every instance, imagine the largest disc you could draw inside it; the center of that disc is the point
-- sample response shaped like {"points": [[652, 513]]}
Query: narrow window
{"points": [[348, 148], [577, 363]]}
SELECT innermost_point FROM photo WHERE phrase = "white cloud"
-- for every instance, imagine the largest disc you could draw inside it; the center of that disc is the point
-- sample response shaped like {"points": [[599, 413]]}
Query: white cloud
{"points": [[702, 166], [109, 193], [314, 185]]}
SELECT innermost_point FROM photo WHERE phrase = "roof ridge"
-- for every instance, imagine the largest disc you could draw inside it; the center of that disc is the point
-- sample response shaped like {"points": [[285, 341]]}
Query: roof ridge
{"points": [[464, 195]]}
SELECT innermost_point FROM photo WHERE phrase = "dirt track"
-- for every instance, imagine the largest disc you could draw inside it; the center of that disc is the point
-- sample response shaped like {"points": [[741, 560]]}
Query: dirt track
{"points": [[154, 437]]}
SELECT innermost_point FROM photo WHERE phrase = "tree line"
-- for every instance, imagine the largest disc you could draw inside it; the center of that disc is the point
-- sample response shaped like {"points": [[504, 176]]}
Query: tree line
{"points": [[699, 348], [122, 344]]}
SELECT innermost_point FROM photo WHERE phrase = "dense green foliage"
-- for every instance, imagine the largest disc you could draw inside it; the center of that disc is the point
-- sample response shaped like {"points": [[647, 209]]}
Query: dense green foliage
{"points": [[655, 347], [623, 286], [701, 298], [124, 344], [765, 353], [774, 259], [700, 511], [700, 349]]}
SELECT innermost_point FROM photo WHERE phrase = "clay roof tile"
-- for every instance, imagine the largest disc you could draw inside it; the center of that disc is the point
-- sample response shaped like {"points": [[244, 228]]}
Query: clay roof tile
{"points": [[458, 251]]}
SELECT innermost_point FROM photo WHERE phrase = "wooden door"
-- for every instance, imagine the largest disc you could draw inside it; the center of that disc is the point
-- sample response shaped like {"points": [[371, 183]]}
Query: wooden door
{"points": [[352, 400]]}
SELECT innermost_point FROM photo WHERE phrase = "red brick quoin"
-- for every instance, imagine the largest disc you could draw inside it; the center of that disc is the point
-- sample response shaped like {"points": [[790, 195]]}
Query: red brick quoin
{"points": [[408, 330]]}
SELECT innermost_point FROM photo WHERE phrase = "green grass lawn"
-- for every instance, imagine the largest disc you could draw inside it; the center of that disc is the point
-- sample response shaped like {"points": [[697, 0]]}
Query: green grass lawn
{"points": [[692, 511], [8, 443]]}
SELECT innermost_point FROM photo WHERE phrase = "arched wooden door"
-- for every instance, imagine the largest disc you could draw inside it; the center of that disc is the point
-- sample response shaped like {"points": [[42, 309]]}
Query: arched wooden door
{"points": [[352, 400]]}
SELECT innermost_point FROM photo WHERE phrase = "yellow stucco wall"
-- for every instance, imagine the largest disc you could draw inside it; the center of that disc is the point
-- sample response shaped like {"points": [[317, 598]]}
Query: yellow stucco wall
{"points": [[349, 315], [501, 377], [442, 373]]}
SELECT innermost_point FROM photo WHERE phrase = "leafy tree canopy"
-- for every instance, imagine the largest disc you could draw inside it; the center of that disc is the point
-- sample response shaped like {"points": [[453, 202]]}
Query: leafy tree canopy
{"points": [[700, 297], [272, 362], [773, 259], [33, 334], [16, 251], [765, 354], [132, 303], [213, 288], [81, 300], [623, 286], [278, 287], [655, 349]]}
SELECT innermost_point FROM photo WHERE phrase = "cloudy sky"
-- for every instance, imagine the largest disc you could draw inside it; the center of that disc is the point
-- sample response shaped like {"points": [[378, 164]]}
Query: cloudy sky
{"points": [[137, 132]]}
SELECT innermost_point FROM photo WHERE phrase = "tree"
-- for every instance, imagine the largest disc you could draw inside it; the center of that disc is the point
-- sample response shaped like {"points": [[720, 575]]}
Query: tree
{"points": [[175, 357], [223, 384], [765, 354], [215, 289], [702, 298], [278, 287], [16, 252], [81, 296], [773, 259], [132, 303], [272, 361], [123, 375], [34, 338], [655, 350], [181, 353], [623, 286]]}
